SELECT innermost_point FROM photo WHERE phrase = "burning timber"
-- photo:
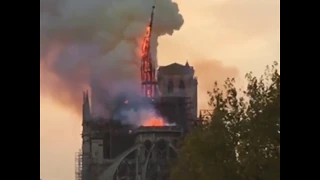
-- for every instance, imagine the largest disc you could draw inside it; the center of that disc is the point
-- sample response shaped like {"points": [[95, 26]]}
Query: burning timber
{"points": [[112, 149]]}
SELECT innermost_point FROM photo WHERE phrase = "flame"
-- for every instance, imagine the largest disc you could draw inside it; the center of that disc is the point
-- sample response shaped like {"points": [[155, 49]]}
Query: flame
{"points": [[147, 71], [155, 121], [146, 43]]}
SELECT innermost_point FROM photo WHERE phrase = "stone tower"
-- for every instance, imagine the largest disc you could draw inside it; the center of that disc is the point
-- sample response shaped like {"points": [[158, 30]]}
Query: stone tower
{"points": [[179, 80]]}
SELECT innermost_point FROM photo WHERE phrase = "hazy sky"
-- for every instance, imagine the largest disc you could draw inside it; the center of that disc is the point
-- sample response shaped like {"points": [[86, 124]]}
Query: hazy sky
{"points": [[219, 37]]}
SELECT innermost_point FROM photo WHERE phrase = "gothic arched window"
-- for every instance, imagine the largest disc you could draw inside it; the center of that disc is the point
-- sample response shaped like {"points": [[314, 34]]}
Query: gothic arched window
{"points": [[170, 86], [182, 86]]}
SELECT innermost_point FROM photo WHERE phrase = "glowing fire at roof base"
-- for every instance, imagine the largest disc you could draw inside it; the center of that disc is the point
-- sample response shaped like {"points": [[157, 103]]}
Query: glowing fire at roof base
{"points": [[156, 121]]}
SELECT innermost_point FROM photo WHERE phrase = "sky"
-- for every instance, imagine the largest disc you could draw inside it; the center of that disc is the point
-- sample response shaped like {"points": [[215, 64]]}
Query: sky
{"points": [[220, 38]]}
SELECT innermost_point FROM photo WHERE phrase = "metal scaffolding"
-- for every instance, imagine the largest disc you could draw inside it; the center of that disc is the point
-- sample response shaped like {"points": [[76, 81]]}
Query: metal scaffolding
{"points": [[78, 165]]}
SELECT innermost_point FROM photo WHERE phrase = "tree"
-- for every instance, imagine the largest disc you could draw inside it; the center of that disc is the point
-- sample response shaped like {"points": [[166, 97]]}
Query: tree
{"points": [[242, 139]]}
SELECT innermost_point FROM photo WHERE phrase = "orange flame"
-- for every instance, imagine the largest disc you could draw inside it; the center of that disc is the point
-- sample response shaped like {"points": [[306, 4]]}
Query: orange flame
{"points": [[158, 122], [145, 44]]}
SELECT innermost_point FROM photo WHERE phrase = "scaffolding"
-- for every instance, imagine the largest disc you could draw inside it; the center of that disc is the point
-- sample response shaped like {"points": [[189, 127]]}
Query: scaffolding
{"points": [[78, 165]]}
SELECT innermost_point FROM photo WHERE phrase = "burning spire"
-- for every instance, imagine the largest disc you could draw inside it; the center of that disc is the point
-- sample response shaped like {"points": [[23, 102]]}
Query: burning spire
{"points": [[148, 81]]}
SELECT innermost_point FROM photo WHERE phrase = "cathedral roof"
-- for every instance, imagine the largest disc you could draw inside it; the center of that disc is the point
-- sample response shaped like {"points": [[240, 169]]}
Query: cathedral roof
{"points": [[176, 69]]}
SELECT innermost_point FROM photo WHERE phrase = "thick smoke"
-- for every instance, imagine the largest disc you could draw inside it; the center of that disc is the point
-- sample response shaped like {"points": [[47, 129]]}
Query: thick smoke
{"points": [[138, 118], [95, 43]]}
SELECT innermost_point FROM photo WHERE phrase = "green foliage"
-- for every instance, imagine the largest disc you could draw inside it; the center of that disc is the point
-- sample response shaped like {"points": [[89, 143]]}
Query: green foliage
{"points": [[242, 139]]}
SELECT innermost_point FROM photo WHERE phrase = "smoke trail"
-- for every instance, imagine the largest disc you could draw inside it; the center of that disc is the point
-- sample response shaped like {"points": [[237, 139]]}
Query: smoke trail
{"points": [[95, 44]]}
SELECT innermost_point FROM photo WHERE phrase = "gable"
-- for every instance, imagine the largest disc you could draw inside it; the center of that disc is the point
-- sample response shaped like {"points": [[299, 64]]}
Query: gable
{"points": [[175, 69]]}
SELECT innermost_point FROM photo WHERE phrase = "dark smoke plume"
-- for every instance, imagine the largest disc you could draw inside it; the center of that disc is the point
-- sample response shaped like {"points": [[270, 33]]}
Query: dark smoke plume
{"points": [[94, 44]]}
